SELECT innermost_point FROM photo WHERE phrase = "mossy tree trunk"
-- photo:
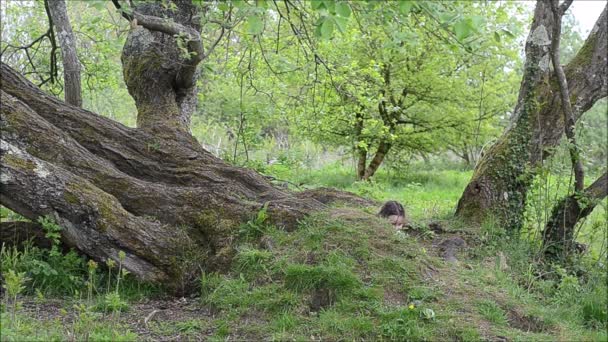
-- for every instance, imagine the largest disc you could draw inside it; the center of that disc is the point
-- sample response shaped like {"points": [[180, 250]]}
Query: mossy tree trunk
{"points": [[152, 192], [502, 177]]}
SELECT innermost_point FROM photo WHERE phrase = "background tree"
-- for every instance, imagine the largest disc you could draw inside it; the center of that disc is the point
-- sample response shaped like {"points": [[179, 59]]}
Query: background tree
{"points": [[502, 177], [71, 65]]}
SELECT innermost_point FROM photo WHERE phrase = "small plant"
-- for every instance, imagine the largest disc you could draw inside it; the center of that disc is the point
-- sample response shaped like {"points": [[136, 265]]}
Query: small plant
{"points": [[92, 266], [52, 230], [401, 328], [190, 326], [427, 313], [568, 289], [285, 321], [14, 285], [255, 228], [114, 303]]}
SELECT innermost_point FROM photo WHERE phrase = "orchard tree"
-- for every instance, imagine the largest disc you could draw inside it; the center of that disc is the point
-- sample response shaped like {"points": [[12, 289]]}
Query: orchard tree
{"points": [[503, 176], [406, 79]]}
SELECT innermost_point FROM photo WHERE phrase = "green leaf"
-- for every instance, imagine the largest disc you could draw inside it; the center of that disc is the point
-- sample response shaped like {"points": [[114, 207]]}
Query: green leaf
{"points": [[343, 9], [496, 36], [476, 21], [508, 33], [255, 25], [327, 28], [98, 5], [261, 4], [239, 3], [446, 18], [341, 23], [405, 7], [462, 29], [223, 7], [317, 4]]}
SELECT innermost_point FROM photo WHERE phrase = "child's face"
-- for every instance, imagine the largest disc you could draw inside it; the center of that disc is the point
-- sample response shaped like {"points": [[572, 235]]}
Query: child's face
{"points": [[396, 221]]}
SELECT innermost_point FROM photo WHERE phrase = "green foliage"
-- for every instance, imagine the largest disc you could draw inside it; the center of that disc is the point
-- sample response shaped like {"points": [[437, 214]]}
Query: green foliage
{"points": [[52, 231], [113, 303], [49, 270], [32, 329]]}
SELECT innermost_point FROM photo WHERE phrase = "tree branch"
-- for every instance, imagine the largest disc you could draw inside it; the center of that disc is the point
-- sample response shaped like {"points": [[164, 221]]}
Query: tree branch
{"points": [[575, 157]]}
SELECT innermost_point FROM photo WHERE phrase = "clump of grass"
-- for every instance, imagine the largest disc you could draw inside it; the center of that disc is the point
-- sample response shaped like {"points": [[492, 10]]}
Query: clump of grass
{"points": [[253, 262], [306, 277], [492, 312]]}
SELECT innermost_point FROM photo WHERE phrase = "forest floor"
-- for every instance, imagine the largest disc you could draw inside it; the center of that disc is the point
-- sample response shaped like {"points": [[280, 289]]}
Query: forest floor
{"points": [[344, 275]]}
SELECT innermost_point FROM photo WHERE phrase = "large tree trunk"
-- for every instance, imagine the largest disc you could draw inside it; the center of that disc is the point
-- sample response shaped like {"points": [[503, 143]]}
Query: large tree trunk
{"points": [[502, 177], [71, 64], [152, 192], [558, 237], [159, 74]]}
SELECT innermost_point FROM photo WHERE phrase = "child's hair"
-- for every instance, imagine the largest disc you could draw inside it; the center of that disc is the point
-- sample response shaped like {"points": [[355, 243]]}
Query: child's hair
{"points": [[392, 208]]}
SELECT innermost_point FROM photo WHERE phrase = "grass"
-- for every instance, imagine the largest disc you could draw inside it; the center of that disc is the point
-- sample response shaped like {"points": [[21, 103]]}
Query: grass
{"points": [[343, 275]]}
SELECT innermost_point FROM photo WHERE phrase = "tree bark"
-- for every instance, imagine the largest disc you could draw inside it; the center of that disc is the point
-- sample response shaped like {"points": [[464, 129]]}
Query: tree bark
{"points": [[159, 74], [71, 65], [503, 175], [558, 237]]}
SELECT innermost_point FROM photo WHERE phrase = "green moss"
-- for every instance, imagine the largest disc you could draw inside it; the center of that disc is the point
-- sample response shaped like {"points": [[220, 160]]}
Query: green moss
{"points": [[584, 56], [71, 198], [19, 163], [103, 202]]}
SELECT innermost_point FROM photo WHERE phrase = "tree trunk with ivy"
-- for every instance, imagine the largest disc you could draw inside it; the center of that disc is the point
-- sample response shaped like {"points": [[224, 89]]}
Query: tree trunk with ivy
{"points": [[151, 192], [503, 176]]}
